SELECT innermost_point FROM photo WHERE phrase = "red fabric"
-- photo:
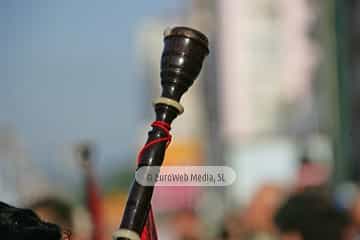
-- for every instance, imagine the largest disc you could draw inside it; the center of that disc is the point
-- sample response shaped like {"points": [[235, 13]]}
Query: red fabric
{"points": [[94, 205], [149, 232]]}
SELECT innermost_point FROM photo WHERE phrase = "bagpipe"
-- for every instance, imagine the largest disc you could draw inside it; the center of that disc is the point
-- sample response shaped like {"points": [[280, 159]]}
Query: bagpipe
{"points": [[183, 54]]}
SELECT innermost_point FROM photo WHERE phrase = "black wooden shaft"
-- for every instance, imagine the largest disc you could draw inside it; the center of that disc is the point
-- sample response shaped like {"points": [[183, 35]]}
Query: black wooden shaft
{"points": [[181, 62]]}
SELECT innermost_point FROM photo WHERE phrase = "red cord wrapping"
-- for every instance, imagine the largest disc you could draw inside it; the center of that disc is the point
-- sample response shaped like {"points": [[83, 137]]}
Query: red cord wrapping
{"points": [[149, 232], [166, 129]]}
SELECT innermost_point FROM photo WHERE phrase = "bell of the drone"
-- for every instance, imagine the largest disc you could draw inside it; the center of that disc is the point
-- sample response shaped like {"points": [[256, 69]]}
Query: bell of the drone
{"points": [[184, 52]]}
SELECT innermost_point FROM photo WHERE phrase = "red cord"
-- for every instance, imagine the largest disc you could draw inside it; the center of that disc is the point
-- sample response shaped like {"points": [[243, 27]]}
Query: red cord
{"points": [[166, 129], [149, 232]]}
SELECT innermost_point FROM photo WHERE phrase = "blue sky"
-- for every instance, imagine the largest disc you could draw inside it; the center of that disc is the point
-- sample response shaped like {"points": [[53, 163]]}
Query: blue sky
{"points": [[68, 72]]}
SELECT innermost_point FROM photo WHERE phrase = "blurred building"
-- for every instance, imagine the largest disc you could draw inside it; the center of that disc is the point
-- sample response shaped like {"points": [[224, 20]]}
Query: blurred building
{"points": [[274, 89]]}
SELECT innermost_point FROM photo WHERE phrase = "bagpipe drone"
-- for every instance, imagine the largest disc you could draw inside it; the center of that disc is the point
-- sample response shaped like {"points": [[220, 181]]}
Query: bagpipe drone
{"points": [[184, 52]]}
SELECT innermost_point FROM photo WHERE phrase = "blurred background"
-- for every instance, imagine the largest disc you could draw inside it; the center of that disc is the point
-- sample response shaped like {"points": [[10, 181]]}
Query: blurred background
{"points": [[277, 100]]}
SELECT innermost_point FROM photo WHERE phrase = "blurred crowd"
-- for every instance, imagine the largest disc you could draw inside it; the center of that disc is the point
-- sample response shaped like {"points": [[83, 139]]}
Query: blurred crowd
{"points": [[309, 213], [304, 214], [311, 209]]}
